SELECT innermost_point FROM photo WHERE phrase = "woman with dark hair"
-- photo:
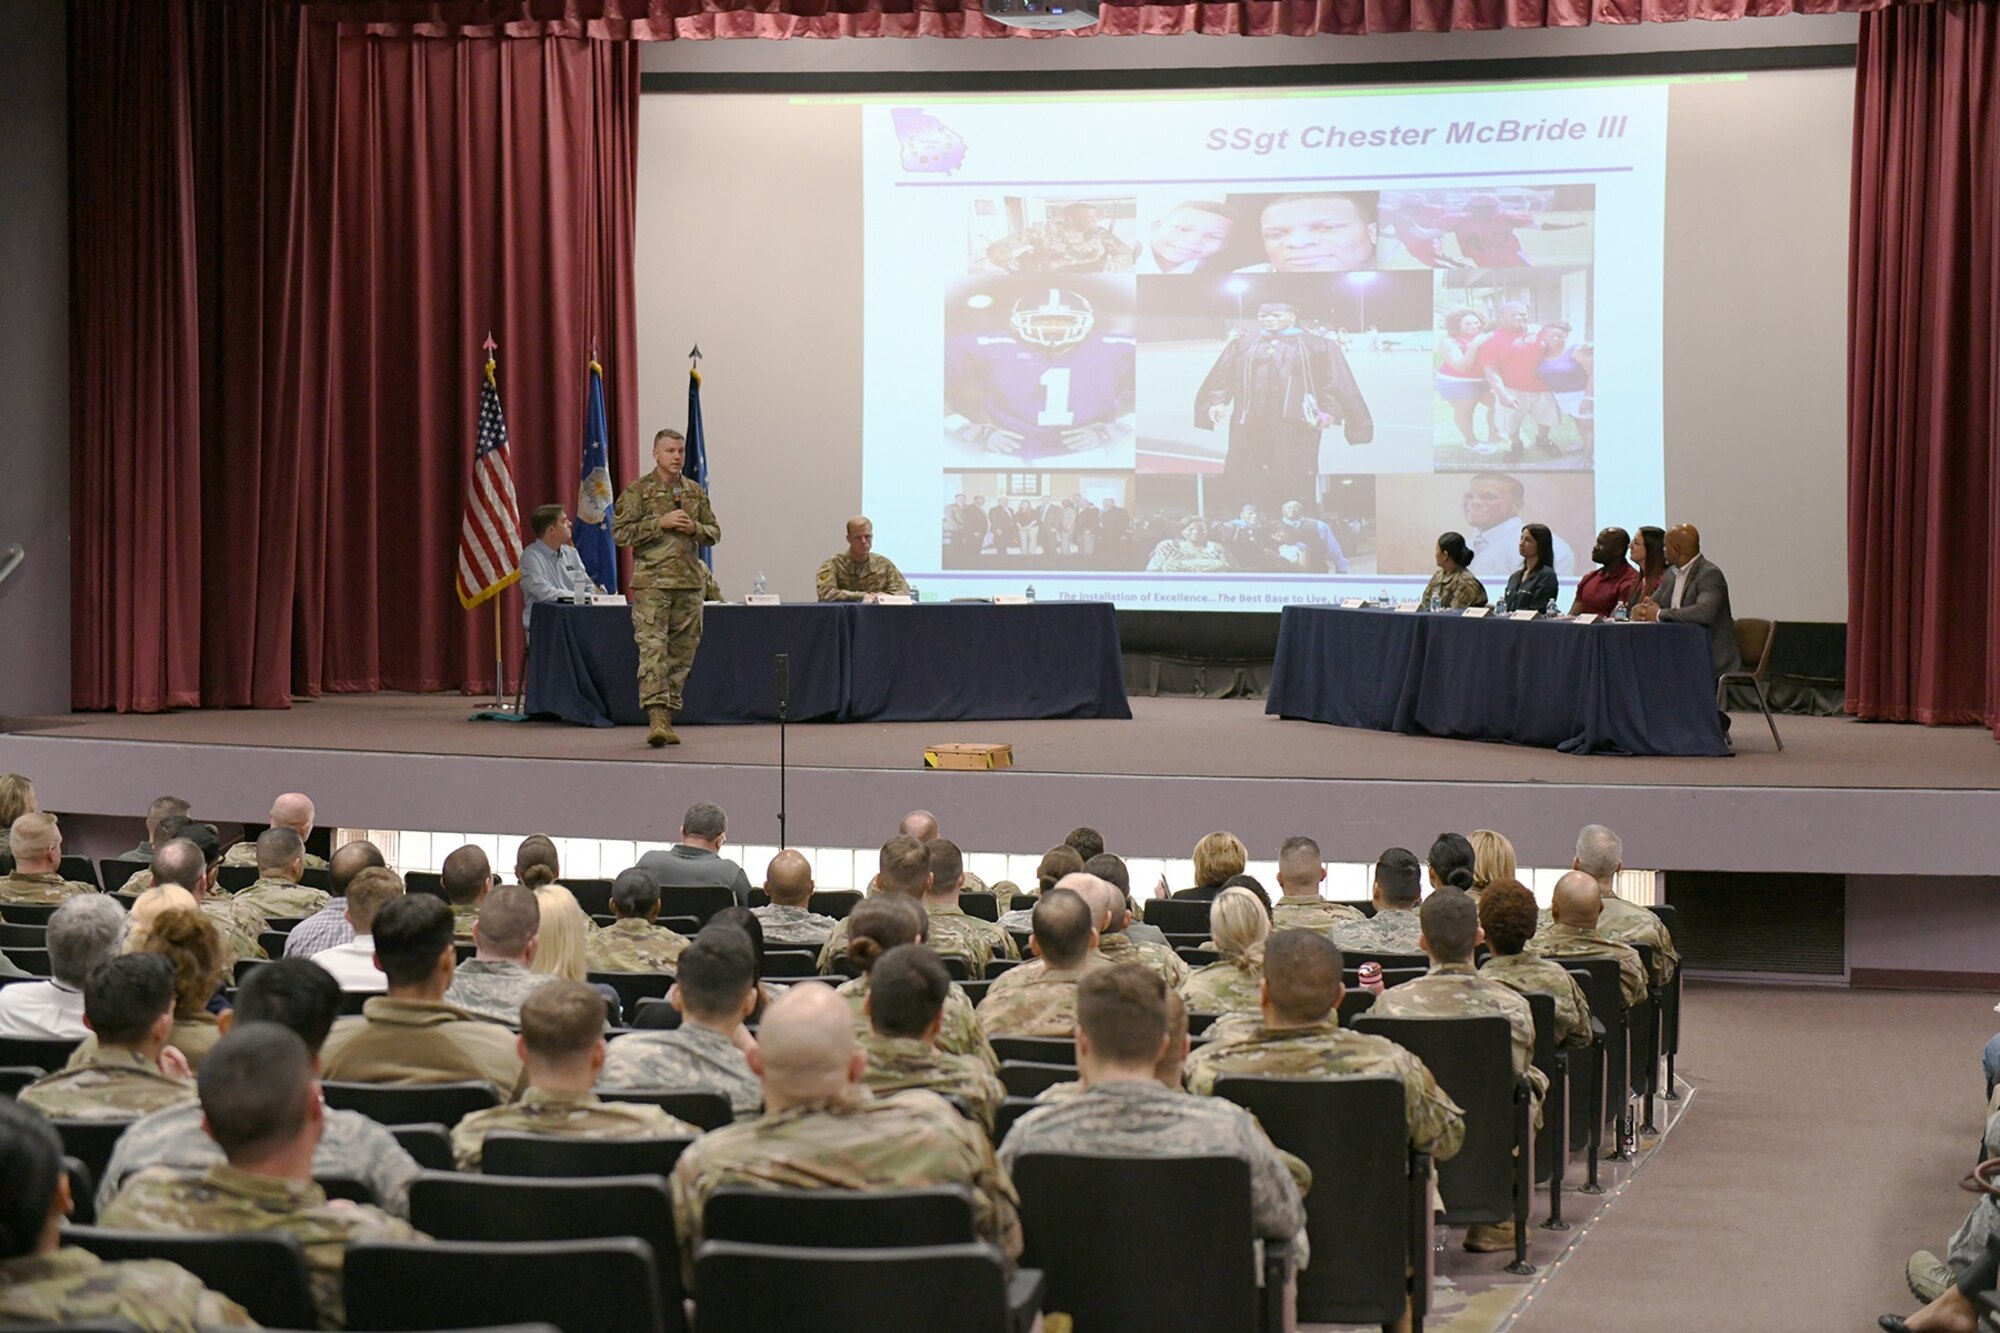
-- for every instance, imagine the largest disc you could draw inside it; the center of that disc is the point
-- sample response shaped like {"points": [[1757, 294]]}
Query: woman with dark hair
{"points": [[1452, 862], [1533, 587], [1649, 553], [877, 925], [1454, 586], [536, 864]]}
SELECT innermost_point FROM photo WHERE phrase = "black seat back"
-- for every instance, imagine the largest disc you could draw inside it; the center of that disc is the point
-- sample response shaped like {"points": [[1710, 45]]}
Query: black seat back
{"points": [[81, 870], [412, 1103], [633, 987], [429, 1144], [13, 1078], [1029, 1078], [709, 1110], [1472, 1060], [836, 903], [50, 1053], [580, 1286], [1012, 1109], [1038, 1050], [1178, 916], [90, 1141], [30, 914], [23, 937], [790, 963], [506, 1153], [265, 1273], [840, 1218], [1552, 1139], [113, 871], [982, 905], [1085, 1216], [1604, 992], [30, 960], [700, 902], [592, 895], [236, 878], [762, 1288], [1353, 1002]]}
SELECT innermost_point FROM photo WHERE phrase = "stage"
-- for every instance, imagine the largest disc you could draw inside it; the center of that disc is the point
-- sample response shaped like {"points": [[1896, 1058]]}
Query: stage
{"points": [[1843, 797]]}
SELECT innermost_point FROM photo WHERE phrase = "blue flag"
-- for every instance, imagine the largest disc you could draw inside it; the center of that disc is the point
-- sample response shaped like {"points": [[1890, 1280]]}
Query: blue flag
{"points": [[695, 466], [593, 492]]}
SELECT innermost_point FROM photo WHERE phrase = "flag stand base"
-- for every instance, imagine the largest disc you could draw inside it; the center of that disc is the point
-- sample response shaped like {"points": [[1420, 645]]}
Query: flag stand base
{"points": [[497, 715]]}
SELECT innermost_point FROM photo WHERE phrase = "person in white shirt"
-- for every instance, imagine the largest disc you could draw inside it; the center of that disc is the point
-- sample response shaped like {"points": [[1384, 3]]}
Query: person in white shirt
{"points": [[353, 963], [84, 934], [550, 564], [1492, 505], [1186, 236]]}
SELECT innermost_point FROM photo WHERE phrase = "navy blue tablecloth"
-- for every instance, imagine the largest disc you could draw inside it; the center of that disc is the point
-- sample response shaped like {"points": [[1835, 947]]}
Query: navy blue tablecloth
{"points": [[849, 663], [1584, 689]]}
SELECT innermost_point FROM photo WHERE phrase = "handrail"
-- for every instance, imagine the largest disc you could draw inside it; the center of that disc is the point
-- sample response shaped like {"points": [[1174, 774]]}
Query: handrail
{"points": [[10, 560]]}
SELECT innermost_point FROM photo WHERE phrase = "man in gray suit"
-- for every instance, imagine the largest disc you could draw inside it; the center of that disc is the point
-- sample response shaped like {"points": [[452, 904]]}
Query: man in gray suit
{"points": [[694, 860], [1695, 592]]}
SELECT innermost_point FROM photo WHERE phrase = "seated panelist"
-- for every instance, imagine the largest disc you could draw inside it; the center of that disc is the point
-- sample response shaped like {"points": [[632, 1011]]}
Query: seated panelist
{"points": [[1454, 587], [857, 574], [1532, 587], [550, 565]]}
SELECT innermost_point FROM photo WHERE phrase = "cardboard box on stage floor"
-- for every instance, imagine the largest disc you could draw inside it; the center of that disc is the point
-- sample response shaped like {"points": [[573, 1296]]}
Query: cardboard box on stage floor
{"points": [[978, 758]]}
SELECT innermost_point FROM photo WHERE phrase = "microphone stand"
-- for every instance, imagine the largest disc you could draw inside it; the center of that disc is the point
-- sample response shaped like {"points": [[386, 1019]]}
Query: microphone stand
{"points": [[784, 665]]}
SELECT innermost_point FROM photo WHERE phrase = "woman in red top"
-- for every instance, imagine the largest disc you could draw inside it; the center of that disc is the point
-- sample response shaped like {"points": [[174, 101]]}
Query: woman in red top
{"points": [[1460, 381]]}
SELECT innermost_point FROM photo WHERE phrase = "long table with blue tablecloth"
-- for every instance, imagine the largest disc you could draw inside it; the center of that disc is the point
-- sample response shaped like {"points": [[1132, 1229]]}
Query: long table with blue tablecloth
{"points": [[849, 662], [1597, 688]]}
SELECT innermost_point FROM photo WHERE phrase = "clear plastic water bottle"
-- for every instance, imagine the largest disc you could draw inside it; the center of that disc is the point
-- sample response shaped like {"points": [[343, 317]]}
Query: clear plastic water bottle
{"points": [[1382, 598], [757, 588], [1031, 592], [915, 596]]}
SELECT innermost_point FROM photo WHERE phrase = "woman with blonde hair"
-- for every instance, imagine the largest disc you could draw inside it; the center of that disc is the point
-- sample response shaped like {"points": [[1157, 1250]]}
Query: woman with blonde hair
{"points": [[1218, 858], [1238, 925], [17, 798], [536, 865], [563, 930], [1492, 859], [185, 937]]}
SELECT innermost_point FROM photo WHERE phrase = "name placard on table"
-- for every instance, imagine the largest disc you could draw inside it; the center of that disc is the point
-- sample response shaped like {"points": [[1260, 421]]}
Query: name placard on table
{"points": [[761, 599]]}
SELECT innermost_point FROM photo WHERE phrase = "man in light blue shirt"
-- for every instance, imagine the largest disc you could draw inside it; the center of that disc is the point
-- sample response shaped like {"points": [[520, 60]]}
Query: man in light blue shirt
{"points": [[550, 565]]}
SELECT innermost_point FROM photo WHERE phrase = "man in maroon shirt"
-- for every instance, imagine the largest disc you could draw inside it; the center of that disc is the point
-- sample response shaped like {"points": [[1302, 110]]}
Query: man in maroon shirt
{"points": [[1612, 583], [1511, 358]]}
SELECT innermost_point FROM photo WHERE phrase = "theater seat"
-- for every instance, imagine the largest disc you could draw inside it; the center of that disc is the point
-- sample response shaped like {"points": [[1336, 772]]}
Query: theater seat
{"points": [[840, 1218], [265, 1273], [580, 1286], [744, 1288]]}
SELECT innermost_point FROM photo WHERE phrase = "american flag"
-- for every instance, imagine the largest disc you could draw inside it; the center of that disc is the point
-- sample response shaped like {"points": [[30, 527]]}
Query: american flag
{"points": [[489, 541]]}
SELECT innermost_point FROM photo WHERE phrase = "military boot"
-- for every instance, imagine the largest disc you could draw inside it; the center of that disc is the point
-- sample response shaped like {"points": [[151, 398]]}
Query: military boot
{"points": [[659, 727]]}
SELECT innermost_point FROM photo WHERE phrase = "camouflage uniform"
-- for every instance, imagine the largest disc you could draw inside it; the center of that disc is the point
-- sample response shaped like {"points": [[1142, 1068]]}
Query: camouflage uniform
{"points": [[494, 989], [137, 883], [282, 899], [633, 944], [1122, 948], [960, 1035], [1565, 942], [1228, 987], [464, 916], [73, 1285], [1391, 930], [1527, 973], [41, 888], [231, 1202], [245, 854], [1629, 923], [351, 1145], [1056, 247], [1042, 1006], [954, 933], [913, 1140], [1309, 911], [239, 922], [841, 580], [193, 1035], [794, 927], [1455, 990], [106, 1085], [684, 1059], [667, 579], [585, 1117], [1326, 1050], [897, 1064], [402, 1040]]}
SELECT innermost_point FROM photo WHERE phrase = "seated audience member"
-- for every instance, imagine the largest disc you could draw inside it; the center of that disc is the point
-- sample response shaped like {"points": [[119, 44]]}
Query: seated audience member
{"points": [[1254, 885], [329, 926], [908, 988], [261, 1103], [560, 948], [1301, 872], [129, 1004], [1454, 586], [1056, 864], [857, 574], [1217, 857], [1612, 583], [1087, 841], [1122, 1039], [890, 922], [820, 1127], [190, 942], [1572, 933], [161, 807], [353, 964], [36, 843], [147, 908], [1492, 859], [953, 933], [1114, 914], [192, 861], [1399, 884], [1168, 1073], [1299, 1035], [294, 811], [1238, 926], [1040, 1001], [466, 877], [923, 826], [493, 982], [788, 920], [536, 862], [696, 860], [715, 990], [296, 995], [84, 934], [410, 1035], [1507, 916], [562, 1050], [281, 864], [1930, 1278], [44, 1281], [1533, 586], [168, 828], [633, 943], [1114, 871], [17, 798], [903, 869], [1600, 854], [1452, 863]]}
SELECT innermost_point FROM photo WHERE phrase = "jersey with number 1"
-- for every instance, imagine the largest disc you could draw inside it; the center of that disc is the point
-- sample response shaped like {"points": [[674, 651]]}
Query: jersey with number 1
{"points": [[1039, 392]]}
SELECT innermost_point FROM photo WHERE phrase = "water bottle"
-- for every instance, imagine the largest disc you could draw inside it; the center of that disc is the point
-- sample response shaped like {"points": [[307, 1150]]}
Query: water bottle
{"points": [[1031, 592], [757, 589], [915, 596]]}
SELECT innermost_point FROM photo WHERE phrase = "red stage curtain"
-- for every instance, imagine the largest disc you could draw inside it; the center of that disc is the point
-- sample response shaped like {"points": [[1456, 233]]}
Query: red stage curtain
{"points": [[663, 20], [1923, 638], [289, 245]]}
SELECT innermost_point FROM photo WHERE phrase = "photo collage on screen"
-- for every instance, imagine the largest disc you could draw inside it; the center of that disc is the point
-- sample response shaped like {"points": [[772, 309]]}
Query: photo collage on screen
{"points": [[1318, 382]]}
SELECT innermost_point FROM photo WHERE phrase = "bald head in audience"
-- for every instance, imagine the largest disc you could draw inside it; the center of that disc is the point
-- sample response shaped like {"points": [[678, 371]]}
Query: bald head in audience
{"points": [[919, 824], [293, 810], [1063, 926], [349, 860], [806, 1051], [788, 880], [1578, 901], [1107, 901], [181, 862]]}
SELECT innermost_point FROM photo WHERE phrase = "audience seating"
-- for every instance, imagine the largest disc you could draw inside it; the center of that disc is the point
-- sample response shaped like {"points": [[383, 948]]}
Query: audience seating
{"points": [[1670, 1004], [592, 895], [840, 1218], [654, 1014], [1021, 938], [709, 1110], [995, 966], [700, 902], [430, 1144], [425, 881], [412, 1103], [1085, 1218], [1351, 961], [235, 879], [1026, 1078], [47, 1053], [1646, 1041], [30, 914], [90, 1141], [560, 1156], [1012, 1109], [1368, 1214], [79, 869], [1021, 902], [1036, 1050], [1598, 978], [354, 1001], [939, 1288], [1552, 1139], [1198, 958], [1353, 1002], [689, 926], [13, 1078], [245, 966], [790, 963], [82, 1193], [975, 991], [315, 878], [264, 1272], [30, 960], [113, 871], [982, 905], [23, 937], [459, 1207], [1753, 645], [580, 1286], [352, 1188], [1177, 917], [633, 987], [1200, 1023], [1489, 1180]]}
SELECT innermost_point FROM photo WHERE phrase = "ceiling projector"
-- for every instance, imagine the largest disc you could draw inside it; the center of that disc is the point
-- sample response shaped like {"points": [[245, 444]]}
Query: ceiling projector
{"points": [[1044, 15]]}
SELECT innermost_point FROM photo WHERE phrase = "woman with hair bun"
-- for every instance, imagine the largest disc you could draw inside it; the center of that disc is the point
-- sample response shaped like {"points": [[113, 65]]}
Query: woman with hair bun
{"points": [[1454, 586], [877, 925], [1451, 862]]}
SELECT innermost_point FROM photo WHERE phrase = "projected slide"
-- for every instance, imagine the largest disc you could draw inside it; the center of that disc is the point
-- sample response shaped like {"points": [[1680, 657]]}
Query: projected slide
{"points": [[1236, 351]]}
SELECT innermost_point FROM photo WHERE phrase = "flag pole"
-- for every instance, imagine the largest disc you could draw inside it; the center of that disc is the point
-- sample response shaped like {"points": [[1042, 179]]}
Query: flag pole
{"points": [[499, 712]]}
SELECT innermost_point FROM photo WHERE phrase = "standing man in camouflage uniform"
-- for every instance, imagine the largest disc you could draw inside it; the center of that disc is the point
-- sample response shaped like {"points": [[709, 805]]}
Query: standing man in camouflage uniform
{"points": [[633, 943], [1301, 872], [281, 864], [715, 990], [1399, 884], [821, 1130], [1509, 923], [261, 1102], [562, 1049], [954, 932], [1573, 933], [1299, 1036], [788, 919], [36, 842], [666, 520], [857, 575], [1600, 854], [129, 1003], [907, 989], [44, 1281], [1042, 1002]]}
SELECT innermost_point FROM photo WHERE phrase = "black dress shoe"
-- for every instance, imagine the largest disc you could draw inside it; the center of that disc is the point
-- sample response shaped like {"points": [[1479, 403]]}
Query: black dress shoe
{"points": [[1894, 1323]]}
